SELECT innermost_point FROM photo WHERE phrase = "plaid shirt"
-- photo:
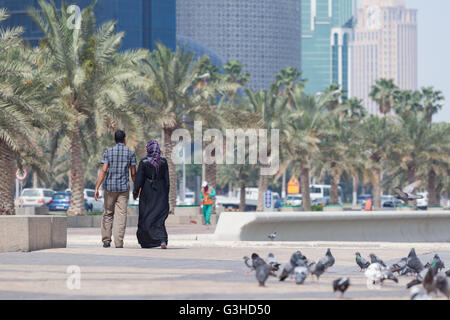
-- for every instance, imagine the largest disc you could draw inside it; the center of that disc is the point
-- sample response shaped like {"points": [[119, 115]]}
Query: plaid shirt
{"points": [[119, 158]]}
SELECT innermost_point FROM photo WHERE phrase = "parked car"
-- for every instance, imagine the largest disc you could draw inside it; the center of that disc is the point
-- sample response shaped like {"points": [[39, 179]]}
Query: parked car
{"points": [[94, 205], [279, 203], [362, 198], [321, 201], [35, 197], [422, 204], [189, 199], [294, 200], [61, 202]]}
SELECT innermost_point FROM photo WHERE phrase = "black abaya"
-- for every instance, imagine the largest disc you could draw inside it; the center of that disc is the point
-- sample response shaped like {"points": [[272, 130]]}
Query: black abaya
{"points": [[153, 203]]}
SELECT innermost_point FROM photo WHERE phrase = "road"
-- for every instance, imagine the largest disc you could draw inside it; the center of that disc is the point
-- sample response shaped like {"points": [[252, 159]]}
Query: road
{"points": [[189, 269]]}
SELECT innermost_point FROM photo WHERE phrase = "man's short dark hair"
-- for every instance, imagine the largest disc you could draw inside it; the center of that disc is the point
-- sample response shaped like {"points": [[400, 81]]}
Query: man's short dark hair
{"points": [[119, 136]]}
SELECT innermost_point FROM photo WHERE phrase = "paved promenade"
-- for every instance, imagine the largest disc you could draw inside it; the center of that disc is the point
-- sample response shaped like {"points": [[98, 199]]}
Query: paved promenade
{"points": [[192, 268]]}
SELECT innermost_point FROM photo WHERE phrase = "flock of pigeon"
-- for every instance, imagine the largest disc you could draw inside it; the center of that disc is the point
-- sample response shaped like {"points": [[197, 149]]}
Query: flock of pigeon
{"points": [[428, 278]]}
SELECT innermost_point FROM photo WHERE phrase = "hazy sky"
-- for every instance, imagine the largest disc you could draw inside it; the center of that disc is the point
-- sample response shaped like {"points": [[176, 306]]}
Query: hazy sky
{"points": [[434, 48]]}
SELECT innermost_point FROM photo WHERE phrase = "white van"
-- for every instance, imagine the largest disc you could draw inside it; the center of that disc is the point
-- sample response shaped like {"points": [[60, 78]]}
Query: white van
{"points": [[318, 191]]}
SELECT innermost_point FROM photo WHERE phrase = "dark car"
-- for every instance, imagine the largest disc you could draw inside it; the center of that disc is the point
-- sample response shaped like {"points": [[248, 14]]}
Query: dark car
{"points": [[363, 197], [61, 202]]}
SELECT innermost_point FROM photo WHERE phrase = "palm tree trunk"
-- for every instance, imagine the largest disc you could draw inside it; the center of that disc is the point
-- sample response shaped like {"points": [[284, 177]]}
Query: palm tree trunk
{"points": [[355, 191], [304, 185], [283, 185], [262, 188], [242, 198], [433, 197], [35, 180], [77, 206], [6, 179], [334, 189], [168, 146], [377, 190]]}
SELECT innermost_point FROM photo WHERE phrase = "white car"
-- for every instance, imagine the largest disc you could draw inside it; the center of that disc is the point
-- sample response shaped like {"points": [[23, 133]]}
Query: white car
{"points": [[189, 199], [35, 197], [94, 205], [423, 203], [294, 200]]}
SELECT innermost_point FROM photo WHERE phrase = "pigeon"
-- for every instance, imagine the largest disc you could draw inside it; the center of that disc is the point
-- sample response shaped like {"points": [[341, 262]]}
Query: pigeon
{"points": [[407, 193], [413, 262], [297, 260], [437, 261], [273, 262], [249, 266], [317, 269], [272, 236], [257, 261], [399, 266], [361, 262], [262, 273], [429, 282], [407, 271], [375, 259], [418, 293], [376, 273], [328, 260], [300, 274], [373, 273], [425, 277], [388, 275], [341, 285], [442, 285]]}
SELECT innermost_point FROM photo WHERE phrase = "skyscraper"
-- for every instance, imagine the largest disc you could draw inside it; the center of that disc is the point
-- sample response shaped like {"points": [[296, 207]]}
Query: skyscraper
{"points": [[326, 36], [385, 46], [143, 21], [262, 34]]}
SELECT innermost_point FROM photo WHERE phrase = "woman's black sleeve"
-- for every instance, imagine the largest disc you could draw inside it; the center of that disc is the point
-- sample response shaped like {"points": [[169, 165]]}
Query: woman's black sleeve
{"points": [[140, 179], [166, 175]]}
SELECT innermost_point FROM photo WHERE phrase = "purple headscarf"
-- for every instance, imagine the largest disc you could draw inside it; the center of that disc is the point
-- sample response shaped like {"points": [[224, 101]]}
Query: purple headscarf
{"points": [[154, 154]]}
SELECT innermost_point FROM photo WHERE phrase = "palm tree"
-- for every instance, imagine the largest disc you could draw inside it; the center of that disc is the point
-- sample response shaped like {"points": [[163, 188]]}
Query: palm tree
{"points": [[92, 82], [171, 78], [384, 93], [380, 136], [432, 102], [267, 105], [303, 133], [286, 80], [24, 111], [334, 93]]}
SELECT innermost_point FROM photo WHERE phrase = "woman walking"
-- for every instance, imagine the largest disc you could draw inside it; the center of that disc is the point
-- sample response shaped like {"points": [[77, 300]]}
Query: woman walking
{"points": [[152, 187]]}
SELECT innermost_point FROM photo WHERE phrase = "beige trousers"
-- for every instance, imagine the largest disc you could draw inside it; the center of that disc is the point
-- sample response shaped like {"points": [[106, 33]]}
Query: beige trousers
{"points": [[115, 209]]}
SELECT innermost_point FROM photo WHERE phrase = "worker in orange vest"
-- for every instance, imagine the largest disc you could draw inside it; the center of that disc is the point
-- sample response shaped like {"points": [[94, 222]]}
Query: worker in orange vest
{"points": [[207, 197], [368, 206]]}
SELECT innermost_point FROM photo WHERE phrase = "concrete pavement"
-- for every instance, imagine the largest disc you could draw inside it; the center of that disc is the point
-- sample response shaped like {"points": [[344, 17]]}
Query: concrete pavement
{"points": [[192, 268]]}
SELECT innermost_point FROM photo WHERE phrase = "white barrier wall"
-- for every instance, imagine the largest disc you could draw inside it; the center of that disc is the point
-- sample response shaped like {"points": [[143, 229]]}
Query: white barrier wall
{"points": [[382, 226]]}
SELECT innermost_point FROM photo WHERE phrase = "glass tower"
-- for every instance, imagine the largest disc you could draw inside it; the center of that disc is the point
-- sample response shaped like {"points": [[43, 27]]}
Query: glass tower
{"points": [[326, 36], [264, 35], [144, 21]]}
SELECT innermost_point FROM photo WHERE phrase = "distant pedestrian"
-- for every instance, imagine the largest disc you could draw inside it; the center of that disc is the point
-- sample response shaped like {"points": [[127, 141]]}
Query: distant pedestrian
{"points": [[117, 164], [152, 187], [208, 194]]}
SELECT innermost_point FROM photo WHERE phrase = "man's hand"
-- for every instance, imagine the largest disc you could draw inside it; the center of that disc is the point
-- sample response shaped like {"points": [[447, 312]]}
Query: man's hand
{"points": [[96, 195], [135, 197]]}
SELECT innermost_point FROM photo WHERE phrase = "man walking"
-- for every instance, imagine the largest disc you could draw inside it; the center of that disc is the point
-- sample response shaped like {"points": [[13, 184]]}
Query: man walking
{"points": [[116, 163], [207, 197]]}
